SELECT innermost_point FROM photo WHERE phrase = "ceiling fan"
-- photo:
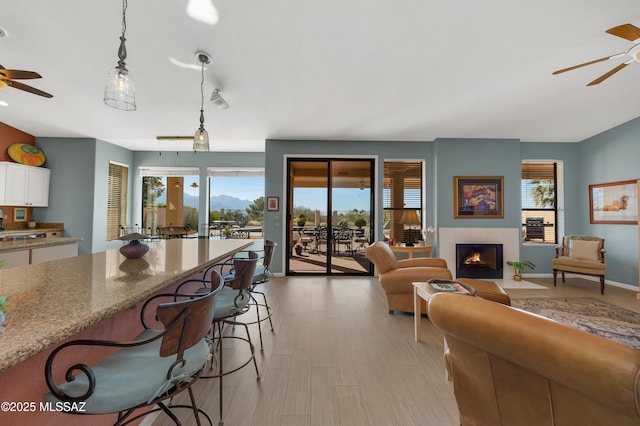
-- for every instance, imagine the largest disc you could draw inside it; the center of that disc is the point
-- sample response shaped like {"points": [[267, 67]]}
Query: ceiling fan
{"points": [[625, 31], [7, 78]]}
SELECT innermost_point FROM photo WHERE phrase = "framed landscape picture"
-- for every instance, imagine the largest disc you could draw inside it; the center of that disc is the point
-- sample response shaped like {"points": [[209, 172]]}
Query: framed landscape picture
{"points": [[478, 197], [615, 202]]}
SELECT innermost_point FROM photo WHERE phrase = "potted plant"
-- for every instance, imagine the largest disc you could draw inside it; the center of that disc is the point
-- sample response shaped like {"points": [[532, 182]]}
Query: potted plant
{"points": [[518, 266], [360, 222], [298, 248], [301, 219]]}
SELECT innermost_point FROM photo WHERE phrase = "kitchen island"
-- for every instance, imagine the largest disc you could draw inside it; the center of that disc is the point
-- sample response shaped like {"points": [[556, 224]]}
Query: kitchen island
{"points": [[90, 296]]}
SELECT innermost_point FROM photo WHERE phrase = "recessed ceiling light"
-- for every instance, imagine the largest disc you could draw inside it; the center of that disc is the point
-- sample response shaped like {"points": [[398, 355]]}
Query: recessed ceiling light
{"points": [[3, 103]]}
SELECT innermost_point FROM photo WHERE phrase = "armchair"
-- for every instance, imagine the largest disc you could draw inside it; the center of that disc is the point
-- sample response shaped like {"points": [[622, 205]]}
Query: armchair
{"points": [[580, 254], [396, 276]]}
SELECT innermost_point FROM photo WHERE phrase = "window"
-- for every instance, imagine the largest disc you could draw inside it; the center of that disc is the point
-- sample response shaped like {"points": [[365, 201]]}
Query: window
{"points": [[117, 199], [402, 201], [542, 201], [237, 200], [170, 196]]}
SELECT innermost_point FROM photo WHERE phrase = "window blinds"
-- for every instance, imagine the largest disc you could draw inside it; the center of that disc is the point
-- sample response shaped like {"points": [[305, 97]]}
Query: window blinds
{"points": [[117, 199]]}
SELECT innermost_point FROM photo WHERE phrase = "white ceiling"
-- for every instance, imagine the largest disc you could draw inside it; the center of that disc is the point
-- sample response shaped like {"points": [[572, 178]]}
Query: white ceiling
{"points": [[402, 70]]}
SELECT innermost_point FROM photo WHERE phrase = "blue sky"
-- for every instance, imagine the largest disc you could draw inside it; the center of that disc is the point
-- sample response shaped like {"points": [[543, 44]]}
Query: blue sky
{"points": [[251, 188], [344, 199]]}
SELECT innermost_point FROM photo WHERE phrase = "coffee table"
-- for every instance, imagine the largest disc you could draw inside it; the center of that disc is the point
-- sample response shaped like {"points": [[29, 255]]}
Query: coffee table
{"points": [[421, 290]]}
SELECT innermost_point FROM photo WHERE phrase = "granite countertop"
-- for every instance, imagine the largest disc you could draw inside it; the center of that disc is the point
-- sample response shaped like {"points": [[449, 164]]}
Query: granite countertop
{"points": [[29, 243], [52, 301]]}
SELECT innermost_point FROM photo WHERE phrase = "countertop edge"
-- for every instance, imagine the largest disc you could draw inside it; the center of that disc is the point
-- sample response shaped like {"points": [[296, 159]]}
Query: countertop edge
{"points": [[28, 244]]}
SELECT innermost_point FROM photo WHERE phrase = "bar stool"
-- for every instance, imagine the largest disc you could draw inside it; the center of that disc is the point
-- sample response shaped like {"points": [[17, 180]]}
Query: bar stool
{"points": [[232, 301], [145, 372]]}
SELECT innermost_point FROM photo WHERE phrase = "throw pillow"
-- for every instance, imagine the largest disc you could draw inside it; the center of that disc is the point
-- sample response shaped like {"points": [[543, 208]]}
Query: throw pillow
{"points": [[584, 250]]}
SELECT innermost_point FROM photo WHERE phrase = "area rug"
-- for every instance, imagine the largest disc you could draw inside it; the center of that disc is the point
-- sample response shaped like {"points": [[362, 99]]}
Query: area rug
{"points": [[588, 314]]}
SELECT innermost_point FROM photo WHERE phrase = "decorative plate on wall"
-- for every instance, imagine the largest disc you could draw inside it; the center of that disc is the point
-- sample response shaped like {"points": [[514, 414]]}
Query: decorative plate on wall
{"points": [[26, 154]]}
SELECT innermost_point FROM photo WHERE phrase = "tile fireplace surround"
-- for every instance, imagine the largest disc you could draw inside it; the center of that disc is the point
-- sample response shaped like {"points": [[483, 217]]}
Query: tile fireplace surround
{"points": [[449, 237]]}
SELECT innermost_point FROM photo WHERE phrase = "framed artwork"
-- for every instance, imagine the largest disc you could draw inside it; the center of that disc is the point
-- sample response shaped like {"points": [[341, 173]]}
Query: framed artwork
{"points": [[273, 204], [19, 215], [615, 202], [478, 197]]}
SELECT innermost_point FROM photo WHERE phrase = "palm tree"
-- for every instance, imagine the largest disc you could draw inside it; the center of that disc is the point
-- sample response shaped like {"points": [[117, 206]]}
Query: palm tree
{"points": [[543, 192]]}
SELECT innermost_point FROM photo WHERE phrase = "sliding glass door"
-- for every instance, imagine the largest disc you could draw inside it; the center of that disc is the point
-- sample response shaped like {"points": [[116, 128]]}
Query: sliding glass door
{"points": [[330, 216]]}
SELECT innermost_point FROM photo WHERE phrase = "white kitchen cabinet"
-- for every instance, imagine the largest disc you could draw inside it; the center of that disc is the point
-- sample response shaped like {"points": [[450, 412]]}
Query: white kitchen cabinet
{"points": [[22, 185]]}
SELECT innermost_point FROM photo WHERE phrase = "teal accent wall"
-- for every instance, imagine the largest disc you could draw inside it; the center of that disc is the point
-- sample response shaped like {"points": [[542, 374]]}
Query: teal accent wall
{"points": [[71, 190], [611, 156], [477, 157], [79, 186]]}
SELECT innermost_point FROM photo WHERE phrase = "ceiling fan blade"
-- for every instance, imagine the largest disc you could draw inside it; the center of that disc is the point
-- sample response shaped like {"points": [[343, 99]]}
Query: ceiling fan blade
{"points": [[607, 75], [19, 74], [21, 86], [625, 31], [617, 55], [174, 138]]}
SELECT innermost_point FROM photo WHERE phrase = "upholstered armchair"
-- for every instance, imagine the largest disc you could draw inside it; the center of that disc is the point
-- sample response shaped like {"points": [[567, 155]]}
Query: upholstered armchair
{"points": [[580, 254], [396, 276]]}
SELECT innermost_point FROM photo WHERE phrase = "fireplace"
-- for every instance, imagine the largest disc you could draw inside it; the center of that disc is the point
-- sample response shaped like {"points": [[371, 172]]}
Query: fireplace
{"points": [[478, 260]]}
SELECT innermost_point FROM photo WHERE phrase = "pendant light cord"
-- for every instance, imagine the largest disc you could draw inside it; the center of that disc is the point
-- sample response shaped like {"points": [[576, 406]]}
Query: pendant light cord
{"points": [[122, 50], [124, 14], [202, 95]]}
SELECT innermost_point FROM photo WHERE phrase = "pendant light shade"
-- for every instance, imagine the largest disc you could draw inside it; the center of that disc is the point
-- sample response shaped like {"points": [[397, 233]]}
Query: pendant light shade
{"points": [[201, 137], [201, 140], [119, 89]]}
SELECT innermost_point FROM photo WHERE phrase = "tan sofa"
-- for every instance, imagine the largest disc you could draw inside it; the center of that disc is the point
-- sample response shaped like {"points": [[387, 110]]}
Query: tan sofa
{"points": [[510, 367]]}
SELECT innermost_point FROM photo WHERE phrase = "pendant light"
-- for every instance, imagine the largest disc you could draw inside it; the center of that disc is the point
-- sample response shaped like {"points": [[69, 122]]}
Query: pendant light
{"points": [[201, 137], [119, 90]]}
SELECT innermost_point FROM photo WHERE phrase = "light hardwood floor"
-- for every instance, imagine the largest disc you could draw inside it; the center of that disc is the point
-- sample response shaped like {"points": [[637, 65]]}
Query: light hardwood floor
{"points": [[336, 357]]}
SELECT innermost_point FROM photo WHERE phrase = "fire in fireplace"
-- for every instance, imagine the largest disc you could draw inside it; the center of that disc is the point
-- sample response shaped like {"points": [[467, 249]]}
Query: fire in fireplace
{"points": [[479, 261]]}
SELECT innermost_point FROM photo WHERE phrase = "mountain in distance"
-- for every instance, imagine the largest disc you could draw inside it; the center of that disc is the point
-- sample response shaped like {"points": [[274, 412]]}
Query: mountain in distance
{"points": [[227, 202], [216, 202]]}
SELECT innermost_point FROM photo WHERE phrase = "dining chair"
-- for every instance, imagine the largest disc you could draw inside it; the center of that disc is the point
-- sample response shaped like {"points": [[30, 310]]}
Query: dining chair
{"points": [[144, 372]]}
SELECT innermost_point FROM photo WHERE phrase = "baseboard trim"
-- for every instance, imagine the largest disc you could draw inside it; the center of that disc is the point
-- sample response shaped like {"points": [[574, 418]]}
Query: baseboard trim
{"points": [[587, 277]]}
